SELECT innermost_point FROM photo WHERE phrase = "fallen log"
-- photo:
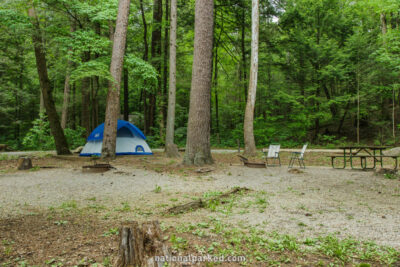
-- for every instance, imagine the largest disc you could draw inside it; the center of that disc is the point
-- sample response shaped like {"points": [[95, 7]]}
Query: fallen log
{"points": [[201, 203], [142, 246]]}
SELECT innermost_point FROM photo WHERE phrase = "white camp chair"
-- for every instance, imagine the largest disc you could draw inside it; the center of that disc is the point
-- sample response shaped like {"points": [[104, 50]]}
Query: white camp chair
{"points": [[273, 154], [299, 156]]}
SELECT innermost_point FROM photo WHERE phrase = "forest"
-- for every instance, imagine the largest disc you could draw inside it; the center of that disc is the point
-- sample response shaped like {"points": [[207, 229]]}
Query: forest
{"points": [[328, 70]]}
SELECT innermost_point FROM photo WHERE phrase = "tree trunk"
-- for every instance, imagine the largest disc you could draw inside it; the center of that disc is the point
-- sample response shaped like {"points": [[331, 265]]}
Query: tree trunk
{"points": [[73, 106], [85, 105], [249, 143], [146, 46], [170, 149], [198, 149], [67, 87], [163, 93], [46, 87], [64, 114], [242, 43], [155, 58], [117, 59], [126, 95]]}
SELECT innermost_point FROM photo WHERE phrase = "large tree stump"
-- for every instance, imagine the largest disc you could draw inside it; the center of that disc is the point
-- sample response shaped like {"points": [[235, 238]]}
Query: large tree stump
{"points": [[24, 163], [138, 246]]}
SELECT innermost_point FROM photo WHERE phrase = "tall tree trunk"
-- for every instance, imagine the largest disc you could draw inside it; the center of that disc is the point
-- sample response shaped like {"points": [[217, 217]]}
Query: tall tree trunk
{"points": [[126, 95], [46, 87], [198, 150], [67, 87], [85, 105], [64, 113], [73, 106], [146, 46], [117, 59], [249, 143], [145, 57], [163, 106], [155, 57], [170, 148], [242, 43]]}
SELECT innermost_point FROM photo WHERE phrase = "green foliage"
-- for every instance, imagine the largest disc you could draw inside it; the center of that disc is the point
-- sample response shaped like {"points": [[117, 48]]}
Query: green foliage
{"points": [[39, 136]]}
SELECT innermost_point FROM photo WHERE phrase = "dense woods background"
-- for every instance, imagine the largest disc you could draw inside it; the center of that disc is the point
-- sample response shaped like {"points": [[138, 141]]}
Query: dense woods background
{"points": [[328, 70]]}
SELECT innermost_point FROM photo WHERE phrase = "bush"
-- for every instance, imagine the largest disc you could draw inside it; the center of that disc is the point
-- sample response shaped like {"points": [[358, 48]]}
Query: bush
{"points": [[40, 138]]}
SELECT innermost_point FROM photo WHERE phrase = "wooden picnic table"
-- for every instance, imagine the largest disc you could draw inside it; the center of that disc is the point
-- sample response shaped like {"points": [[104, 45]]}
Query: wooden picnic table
{"points": [[363, 153]]}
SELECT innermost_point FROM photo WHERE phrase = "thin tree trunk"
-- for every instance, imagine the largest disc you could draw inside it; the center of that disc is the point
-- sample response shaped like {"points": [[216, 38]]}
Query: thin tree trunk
{"points": [[244, 65], [73, 106], [47, 90], [145, 57], [67, 87], [155, 58], [198, 150], [85, 93], [117, 59], [249, 143], [146, 46], [170, 148], [126, 95], [163, 108], [64, 114], [358, 103]]}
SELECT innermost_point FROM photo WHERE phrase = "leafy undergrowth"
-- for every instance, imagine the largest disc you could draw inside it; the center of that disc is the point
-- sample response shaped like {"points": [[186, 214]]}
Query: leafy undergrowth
{"points": [[273, 249]]}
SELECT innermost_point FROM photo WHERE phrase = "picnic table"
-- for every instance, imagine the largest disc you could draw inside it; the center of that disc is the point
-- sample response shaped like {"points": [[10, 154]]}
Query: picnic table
{"points": [[363, 153]]}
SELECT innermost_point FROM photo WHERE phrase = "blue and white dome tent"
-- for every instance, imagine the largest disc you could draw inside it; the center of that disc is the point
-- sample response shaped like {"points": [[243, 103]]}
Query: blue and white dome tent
{"points": [[130, 141]]}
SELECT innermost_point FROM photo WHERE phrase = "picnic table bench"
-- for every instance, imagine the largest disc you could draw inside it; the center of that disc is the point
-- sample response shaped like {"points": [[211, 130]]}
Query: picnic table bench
{"points": [[363, 153]]}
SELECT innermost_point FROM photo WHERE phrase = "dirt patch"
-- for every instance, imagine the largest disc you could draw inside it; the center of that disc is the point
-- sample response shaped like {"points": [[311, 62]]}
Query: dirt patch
{"points": [[51, 238]]}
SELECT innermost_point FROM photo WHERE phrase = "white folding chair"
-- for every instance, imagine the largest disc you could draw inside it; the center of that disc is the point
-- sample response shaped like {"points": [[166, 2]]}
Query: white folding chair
{"points": [[273, 155], [299, 156]]}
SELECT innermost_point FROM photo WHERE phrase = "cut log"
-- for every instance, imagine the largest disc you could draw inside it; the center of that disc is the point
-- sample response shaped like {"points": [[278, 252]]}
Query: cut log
{"points": [[142, 246], [24, 163], [200, 203]]}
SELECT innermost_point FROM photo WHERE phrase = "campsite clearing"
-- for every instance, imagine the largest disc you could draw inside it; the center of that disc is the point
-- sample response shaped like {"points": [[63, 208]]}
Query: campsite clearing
{"points": [[310, 210]]}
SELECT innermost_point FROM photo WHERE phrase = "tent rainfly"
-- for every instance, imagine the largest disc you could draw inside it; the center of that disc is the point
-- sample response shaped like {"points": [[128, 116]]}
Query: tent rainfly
{"points": [[130, 141]]}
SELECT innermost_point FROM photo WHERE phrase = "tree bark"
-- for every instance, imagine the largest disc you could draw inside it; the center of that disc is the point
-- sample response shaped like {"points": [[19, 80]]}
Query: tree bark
{"points": [[67, 88], [146, 46], [85, 105], [170, 149], [138, 246], [117, 59], [155, 59], [126, 95], [242, 43], [46, 87], [198, 149], [249, 143]]}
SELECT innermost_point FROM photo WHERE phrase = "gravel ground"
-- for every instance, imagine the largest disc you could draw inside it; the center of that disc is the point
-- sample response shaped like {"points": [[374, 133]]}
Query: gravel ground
{"points": [[317, 202]]}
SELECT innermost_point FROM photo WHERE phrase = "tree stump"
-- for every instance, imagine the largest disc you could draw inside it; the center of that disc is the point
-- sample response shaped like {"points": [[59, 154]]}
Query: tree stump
{"points": [[24, 163], [139, 246]]}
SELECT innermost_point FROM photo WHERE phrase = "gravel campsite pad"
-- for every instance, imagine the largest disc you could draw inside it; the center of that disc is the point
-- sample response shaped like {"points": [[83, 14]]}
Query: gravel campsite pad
{"points": [[318, 201]]}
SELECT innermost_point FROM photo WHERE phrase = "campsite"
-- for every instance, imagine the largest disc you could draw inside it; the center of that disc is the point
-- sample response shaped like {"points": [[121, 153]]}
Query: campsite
{"points": [[178, 133]]}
